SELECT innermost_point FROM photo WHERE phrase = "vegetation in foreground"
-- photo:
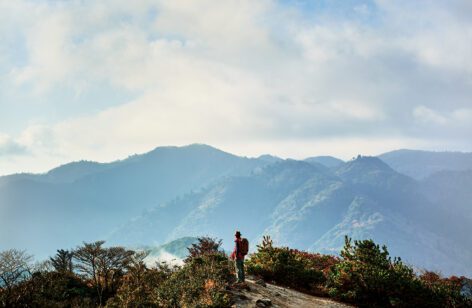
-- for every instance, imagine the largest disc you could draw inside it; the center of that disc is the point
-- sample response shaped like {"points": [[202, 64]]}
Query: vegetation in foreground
{"points": [[364, 275], [93, 275]]}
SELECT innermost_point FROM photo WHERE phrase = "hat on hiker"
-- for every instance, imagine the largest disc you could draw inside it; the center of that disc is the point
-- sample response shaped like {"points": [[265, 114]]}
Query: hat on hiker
{"points": [[237, 233]]}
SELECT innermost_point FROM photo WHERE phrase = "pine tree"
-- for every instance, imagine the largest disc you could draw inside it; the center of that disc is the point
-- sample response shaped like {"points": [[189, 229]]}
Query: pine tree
{"points": [[62, 261]]}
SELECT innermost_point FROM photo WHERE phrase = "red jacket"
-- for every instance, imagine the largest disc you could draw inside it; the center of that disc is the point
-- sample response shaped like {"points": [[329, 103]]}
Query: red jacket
{"points": [[236, 252]]}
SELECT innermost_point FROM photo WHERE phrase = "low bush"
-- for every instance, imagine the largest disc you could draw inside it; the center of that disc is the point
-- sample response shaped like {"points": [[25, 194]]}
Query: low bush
{"points": [[200, 282], [369, 277], [289, 267], [139, 285], [364, 274], [53, 289]]}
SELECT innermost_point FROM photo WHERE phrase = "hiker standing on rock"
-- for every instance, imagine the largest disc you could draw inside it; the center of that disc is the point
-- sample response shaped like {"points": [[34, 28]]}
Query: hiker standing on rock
{"points": [[241, 249]]}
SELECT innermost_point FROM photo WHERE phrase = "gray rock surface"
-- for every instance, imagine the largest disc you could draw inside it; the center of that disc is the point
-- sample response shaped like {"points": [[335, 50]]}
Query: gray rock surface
{"points": [[259, 296], [263, 302]]}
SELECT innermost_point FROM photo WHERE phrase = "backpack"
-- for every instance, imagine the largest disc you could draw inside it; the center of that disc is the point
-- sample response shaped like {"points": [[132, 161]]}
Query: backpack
{"points": [[244, 248]]}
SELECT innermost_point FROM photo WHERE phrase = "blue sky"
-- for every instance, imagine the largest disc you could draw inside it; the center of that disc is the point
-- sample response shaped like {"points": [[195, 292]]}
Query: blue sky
{"points": [[100, 80]]}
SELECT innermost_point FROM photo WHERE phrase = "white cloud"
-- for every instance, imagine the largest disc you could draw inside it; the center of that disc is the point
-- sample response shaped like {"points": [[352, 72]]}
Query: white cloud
{"points": [[461, 118], [241, 74], [9, 147], [357, 110], [425, 115], [163, 257], [438, 34]]}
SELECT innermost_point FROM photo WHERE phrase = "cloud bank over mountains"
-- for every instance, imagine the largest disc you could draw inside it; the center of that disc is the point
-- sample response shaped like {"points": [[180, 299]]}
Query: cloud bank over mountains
{"points": [[92, 80]]}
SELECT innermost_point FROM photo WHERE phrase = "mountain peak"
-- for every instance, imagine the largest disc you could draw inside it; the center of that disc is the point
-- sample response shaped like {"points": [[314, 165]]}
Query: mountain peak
{"points": [[72, 171], [190, 148], [269, 158], [365, 167], [328, 161], [370, 162]]}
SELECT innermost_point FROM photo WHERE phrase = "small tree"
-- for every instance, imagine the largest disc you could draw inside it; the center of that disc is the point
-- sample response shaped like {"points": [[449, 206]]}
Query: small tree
{"points": [[367, 275], [103, 266], [112, 265], [87, 263], [206, 245], [62, 261], [285, 266], [139, 284], [15, 267]]}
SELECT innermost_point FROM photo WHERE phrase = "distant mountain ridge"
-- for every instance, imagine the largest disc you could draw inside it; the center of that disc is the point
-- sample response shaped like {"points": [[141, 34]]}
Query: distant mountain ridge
{"points": [[172, 193], [70, 204], [328, 161], [421, 164], [306, 207]]}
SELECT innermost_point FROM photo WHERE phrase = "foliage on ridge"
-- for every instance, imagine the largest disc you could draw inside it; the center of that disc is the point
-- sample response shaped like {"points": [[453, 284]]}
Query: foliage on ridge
{"points": [[93, 275]]}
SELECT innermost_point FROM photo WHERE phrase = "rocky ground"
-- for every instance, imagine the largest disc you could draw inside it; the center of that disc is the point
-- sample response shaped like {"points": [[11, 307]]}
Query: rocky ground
{"points": [[262, 294]]}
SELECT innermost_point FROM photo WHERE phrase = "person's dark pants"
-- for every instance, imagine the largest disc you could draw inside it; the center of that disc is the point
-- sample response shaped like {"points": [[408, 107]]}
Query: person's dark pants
{"points": [[240, 270]]}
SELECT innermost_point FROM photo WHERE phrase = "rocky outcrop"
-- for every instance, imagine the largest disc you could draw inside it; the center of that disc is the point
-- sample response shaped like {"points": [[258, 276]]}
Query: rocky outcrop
{"points": [[255, 294]]}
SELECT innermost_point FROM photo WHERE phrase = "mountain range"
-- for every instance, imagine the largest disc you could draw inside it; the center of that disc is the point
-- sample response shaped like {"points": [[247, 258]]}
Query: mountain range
{"points": [[421, 164], [417, 203]]}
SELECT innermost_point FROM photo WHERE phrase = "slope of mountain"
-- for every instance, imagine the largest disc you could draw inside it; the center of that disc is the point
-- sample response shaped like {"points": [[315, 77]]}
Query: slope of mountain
{"points": [[453, 187], [306, 207], [451, 194], [220, 208], [370, 200], [417, 245], [372, 177], [83, 201], [421, 164]]}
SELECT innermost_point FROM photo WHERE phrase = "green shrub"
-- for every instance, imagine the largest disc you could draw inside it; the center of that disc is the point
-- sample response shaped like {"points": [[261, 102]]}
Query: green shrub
{"points": [[445, 290], [54, 289], [201, 282], [365, 275], [205, 245], [288, 267], [369, 277], [139, 284]]}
